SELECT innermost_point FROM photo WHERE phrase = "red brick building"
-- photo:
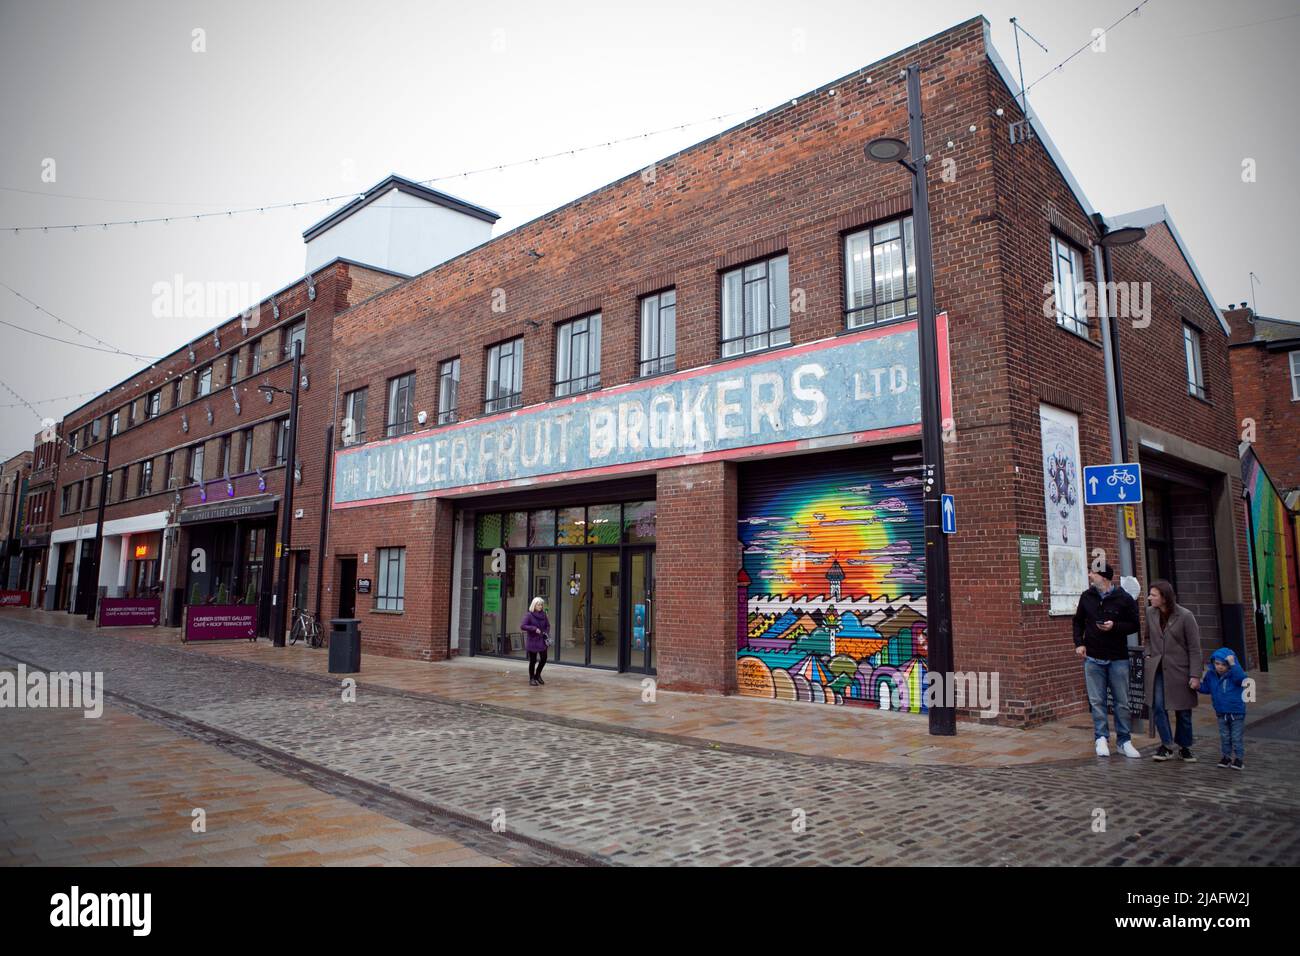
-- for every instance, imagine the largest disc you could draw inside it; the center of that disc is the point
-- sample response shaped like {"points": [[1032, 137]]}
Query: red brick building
{"points": [[683, 409], [14, 476], [1265, 355]]}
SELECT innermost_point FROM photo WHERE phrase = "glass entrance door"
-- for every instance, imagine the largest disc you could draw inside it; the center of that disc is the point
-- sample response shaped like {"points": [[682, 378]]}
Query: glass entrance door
{"points": [[640, 642], [606, 605]]}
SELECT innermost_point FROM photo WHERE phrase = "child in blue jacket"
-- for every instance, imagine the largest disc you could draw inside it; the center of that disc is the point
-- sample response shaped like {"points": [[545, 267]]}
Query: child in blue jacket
{"points": [[1223, 682]]}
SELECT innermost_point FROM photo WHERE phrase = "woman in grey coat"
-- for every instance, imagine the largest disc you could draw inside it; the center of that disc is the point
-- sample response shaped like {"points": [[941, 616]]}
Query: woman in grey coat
{"points": [[1172, 669]]}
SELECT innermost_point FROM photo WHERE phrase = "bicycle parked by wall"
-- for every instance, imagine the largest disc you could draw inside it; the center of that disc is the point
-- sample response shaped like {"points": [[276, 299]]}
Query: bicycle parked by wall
{"points": [[305, 627]]}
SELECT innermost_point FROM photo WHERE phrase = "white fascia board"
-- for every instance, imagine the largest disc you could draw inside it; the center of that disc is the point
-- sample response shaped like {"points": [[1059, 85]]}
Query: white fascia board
{"points": [[1153, 215]]}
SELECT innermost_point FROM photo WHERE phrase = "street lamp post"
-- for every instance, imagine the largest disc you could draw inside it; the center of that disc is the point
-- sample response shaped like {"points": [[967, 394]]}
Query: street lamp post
{"points": [[97, 548], [938, 599], [286, 519]]}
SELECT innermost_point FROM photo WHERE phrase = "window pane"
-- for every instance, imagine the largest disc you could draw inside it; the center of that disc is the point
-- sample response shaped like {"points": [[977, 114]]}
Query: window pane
{"points": [[487, 531], [593, 349], [909, 253], [541, 529], [570, 527], [517, 529], [603, 524], [562, 356], [733, 324], [668, 329], [857, 270], [639, 522], [780, 293], [649, 329]]}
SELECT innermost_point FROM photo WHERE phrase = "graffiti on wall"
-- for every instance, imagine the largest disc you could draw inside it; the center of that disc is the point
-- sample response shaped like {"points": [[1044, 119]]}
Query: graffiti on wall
{"points": [[1271, 561], [831, 592]]}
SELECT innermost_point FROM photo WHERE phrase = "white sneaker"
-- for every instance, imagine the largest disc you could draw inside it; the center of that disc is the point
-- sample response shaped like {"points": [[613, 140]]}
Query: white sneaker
{"points": [[1128, 750], [1103, 748]]}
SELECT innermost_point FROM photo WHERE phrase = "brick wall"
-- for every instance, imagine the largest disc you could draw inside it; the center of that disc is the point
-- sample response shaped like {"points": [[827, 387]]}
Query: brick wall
{"points": [[1262, 386], [1196, 568]]}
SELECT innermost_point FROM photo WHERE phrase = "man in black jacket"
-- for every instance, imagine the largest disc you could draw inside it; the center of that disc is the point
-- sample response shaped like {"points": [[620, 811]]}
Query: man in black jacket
{"points": [[1105, 617]]}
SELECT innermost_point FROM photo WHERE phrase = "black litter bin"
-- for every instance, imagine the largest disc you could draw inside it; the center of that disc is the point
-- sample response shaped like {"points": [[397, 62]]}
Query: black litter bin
{"points": [[345, 645]]}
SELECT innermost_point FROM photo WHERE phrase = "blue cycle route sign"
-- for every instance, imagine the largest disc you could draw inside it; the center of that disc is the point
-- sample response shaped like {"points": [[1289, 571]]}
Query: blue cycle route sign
{"points": [[1113, 484]]}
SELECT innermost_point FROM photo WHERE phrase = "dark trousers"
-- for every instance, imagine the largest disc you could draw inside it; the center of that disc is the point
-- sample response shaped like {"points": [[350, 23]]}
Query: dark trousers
{"points": [[536, 659]]}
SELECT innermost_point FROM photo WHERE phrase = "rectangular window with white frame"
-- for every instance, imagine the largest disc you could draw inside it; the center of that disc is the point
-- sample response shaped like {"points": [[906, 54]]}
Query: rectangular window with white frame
{"points": [[659, 333], [297, 332], [756, 306], [390, 595], [577, 355], [448, 389], [1295, 375], [1068, 284], [880, 273], [505, 376], [1192, 352]]}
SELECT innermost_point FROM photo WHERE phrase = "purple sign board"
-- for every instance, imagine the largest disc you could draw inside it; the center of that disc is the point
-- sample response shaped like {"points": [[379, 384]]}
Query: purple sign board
{"points": [[220, 622], [129, 612]]}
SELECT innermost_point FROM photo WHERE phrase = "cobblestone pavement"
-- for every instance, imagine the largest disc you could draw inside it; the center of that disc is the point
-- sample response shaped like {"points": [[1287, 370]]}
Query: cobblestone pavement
{"points": [[621, 796]]}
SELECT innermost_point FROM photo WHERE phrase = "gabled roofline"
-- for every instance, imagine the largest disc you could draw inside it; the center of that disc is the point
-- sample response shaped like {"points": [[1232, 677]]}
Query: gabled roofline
{"points": [[1037, 125], [408, 186], [1159, 214]]}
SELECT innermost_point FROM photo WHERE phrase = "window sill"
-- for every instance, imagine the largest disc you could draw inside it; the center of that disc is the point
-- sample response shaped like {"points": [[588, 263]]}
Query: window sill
{"points": [[1200, 398], [741, 355], [1078, 335], [387, 613]]}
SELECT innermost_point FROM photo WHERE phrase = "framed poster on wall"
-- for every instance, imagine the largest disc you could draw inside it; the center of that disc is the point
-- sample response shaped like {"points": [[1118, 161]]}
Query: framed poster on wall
{"points": [[1067, 552]]}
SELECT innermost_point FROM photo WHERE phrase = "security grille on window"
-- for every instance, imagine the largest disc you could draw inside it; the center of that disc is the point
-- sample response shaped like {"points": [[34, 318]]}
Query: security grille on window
{"points": [[1295, 376], [196, 463], [205, 381], [756, 307], [880, 273], [505, 376], [659, 333], [295, 333], [1192, 351], [146, 477], [1068, 285], [401, 405], [392, 579], [577, 355], [448, 390], [354, 417]]}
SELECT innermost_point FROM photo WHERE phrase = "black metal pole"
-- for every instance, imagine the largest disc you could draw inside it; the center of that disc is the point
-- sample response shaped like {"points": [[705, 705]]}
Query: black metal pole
{"points": [[1126, 546], [99, 526], [938, 600], [286, 519], [324, 514]]}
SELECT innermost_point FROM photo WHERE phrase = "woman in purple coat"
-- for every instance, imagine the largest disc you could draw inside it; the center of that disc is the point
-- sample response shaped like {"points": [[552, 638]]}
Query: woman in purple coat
{"points": [[537, 628]]}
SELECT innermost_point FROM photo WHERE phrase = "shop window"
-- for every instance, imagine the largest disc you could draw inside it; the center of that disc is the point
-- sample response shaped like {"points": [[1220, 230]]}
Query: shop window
{"points": [[401, 405], [604, 525], [659, 333], [577, 355], [756, 307], [541, 529], [571, 526], [487, 531], [354, 417], [1069, 288], [516, 529], [880, 273], [448, 388], [639, 522], [392, 579], [505, 376]]}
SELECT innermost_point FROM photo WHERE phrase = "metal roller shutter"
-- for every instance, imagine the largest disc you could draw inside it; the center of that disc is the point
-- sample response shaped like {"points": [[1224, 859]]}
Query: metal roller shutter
{"points": [[832, 587]]}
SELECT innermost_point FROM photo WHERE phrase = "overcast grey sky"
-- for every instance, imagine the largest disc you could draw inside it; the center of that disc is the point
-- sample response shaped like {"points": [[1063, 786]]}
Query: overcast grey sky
{"points": [[299, 100]]}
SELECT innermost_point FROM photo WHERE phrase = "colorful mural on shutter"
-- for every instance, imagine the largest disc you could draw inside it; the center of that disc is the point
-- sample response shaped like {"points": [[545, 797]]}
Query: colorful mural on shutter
{"points": [[1271, 560], [832, 584]]}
